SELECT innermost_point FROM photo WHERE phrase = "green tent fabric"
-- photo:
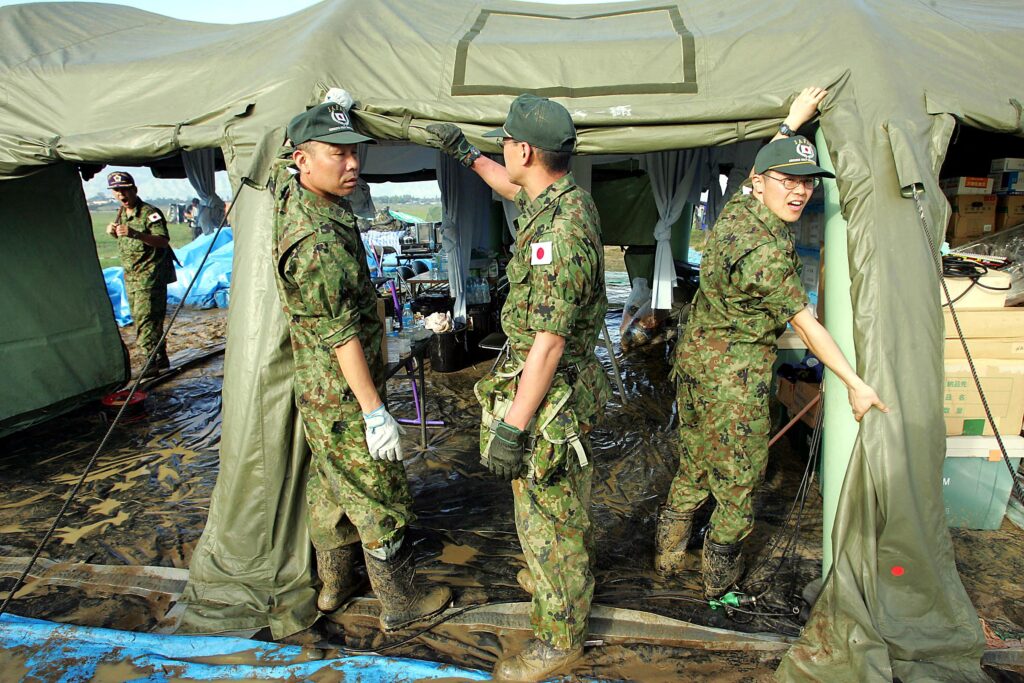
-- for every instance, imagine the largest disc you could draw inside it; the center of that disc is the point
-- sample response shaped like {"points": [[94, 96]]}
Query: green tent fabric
{"points": [[55, 351], [87, 82]]}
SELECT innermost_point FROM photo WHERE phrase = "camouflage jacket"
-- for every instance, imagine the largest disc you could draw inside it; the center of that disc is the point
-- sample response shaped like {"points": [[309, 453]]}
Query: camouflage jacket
{"points": [[556, 284], [749, 288], [324, 285], [144, 266]]}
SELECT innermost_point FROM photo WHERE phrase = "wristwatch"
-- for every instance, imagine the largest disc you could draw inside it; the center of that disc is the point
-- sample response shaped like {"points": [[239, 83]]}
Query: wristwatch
{"points": [[786, 130]]}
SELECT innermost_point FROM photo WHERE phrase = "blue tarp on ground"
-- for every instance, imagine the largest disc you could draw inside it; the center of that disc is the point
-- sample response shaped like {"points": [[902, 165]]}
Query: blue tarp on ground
{"points": [[211, 289], [47, 651]]}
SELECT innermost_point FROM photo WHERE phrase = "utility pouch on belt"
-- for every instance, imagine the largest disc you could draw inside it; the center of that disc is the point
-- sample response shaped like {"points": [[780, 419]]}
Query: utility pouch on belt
{"points": [[553, 431]]}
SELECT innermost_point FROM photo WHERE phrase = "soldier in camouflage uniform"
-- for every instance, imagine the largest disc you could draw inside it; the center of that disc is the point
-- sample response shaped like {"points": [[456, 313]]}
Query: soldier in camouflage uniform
{"points": [[357, 490], [749, 289], [145, 250], [540, 403]]}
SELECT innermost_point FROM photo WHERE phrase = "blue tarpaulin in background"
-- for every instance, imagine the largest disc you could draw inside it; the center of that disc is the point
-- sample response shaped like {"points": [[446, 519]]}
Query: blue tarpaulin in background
{"points": [[47, 651], [210, 290]]}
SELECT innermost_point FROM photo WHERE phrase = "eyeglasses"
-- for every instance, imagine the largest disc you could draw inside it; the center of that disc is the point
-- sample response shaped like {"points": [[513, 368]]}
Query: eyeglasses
{"points": [[791, 183]]}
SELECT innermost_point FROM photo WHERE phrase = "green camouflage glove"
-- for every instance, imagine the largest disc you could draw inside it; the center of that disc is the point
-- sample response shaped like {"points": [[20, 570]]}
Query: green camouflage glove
{"points": [[448, 138], [507, 451]]}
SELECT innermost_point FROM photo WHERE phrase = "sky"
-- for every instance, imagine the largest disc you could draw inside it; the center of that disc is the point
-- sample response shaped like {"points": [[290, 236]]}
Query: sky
{"points": [[237, 12]]}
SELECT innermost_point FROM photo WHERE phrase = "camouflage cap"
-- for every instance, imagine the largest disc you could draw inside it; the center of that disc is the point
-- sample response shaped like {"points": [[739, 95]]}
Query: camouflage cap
{"points": [[326, 122], [120, 179], [540, 122], [794, 156]]}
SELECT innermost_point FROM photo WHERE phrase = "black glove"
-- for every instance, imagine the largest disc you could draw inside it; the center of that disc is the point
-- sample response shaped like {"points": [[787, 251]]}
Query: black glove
{"points": [[507, 451], [448, 138]]}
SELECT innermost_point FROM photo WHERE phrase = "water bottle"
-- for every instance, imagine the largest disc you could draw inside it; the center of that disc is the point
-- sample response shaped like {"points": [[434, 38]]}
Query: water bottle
{"points": [[444, 263], [408, 320]]}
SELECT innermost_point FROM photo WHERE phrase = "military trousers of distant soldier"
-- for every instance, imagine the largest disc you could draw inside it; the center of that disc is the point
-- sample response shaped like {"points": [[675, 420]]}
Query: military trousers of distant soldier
{"points": [[723, 451], [149, 306], [555, 531], [352, 497]]}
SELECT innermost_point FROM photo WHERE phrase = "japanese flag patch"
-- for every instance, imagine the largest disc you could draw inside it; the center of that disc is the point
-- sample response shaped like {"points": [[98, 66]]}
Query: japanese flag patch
{"points": [[154, 217], [540, 253]]}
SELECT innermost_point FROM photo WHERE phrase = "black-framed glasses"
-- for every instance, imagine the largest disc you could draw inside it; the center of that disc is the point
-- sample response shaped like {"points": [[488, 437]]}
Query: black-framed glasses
{"points": [[791, 183]]}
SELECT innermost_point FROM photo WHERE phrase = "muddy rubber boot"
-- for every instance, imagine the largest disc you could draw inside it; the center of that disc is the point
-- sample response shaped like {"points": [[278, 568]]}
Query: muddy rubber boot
{"points": [[525, 580], [721, 567], [336, 569], [670, 541], [402, 600], [537, 662]]}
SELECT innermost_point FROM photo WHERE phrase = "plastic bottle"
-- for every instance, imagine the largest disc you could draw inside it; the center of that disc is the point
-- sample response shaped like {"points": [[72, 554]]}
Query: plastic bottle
{"points": [[444, 263], [408, 319]]}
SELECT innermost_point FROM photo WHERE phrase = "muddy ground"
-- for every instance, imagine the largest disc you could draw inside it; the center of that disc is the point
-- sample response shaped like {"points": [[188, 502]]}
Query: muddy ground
{"points": [[147, 498]]}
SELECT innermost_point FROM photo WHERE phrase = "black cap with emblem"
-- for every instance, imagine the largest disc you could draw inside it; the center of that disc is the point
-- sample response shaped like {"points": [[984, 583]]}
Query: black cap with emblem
{"points": [[120, 179], [327, 122], [793, 156]]}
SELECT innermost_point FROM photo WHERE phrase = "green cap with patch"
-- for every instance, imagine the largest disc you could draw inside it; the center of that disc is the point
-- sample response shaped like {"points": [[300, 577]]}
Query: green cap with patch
{"points": [[327, 122], [540, 122], [793, 156]]}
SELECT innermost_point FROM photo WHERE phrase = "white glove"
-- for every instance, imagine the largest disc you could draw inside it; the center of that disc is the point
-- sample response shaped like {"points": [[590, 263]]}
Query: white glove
{"points": [[383, 435]]}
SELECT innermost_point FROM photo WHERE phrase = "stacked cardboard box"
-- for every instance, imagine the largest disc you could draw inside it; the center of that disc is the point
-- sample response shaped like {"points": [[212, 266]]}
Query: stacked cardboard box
{"points": [[1007, 176], [974, 215], [995, 338]]}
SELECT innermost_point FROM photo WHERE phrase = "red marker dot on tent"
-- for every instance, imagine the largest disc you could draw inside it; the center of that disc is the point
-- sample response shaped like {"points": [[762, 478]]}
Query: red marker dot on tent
{"points": [[897, 570]]}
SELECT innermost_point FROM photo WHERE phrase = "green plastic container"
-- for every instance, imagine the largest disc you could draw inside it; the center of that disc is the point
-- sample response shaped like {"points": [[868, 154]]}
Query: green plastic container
{"points": [[974, 488]]}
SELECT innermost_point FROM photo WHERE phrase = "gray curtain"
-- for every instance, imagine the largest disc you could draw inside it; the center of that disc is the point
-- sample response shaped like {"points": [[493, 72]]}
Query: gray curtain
{"points": [[200, 167], [465, 219], [676, 177], [741, 157]]}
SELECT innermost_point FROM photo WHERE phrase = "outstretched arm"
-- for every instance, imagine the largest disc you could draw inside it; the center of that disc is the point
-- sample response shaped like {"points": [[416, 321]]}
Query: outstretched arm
{"points": [[804, 107], [862, 397], [448, 138]]}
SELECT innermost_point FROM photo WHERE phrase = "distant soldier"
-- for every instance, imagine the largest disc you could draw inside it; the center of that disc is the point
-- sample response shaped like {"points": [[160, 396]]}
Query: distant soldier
{"points": [[145, 249], [359, 500], [543, 400]]}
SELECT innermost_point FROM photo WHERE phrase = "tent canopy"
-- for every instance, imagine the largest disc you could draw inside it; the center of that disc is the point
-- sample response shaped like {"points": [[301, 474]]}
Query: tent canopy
{"points": [[100, 83]]}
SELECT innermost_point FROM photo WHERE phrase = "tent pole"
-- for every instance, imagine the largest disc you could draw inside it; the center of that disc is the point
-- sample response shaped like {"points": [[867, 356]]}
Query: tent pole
{"points": [[840, 429]]}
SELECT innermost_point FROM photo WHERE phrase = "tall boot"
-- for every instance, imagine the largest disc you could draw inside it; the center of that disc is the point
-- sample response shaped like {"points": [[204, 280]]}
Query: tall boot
{"points": [[721, 567], [402, 600], [537, 662], [336, 569], [670, 541]]}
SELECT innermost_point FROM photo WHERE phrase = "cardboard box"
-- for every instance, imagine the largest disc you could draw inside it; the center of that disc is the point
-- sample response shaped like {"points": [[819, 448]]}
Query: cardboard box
{"points": [[1008, 164], [1009, 211], [1003, 383], [966, 185], [795, 395], [989, 291], [986, 323], [973, 215], [1009, 182], [1007, 349], [975, 481]]}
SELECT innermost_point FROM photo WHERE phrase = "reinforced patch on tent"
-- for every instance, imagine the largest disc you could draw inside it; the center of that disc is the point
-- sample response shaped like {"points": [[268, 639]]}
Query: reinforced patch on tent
{"points": [[603, 61]]}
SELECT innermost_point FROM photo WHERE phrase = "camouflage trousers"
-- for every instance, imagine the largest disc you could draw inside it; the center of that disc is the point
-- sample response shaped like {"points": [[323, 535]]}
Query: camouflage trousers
{"points": [[149, 306], [723, 450], [351, 497], [555, 531]]}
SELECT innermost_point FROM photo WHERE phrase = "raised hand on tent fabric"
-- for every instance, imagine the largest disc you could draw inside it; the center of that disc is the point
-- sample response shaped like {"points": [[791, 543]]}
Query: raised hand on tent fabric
{"points": [[449, 138], [803, 109], [383, 435]]}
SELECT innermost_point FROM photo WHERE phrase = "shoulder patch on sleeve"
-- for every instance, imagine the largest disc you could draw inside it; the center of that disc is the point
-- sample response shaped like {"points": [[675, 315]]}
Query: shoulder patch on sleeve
{"points": [[155, 217], [540, 253]]}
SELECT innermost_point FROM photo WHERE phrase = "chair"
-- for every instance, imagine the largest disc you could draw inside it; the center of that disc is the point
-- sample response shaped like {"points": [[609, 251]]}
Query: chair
{"points": [[419, 267]]}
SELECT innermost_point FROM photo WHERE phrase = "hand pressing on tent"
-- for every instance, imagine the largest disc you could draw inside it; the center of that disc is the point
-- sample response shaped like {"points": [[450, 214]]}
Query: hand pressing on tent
{"points": [[383, 435], [449, 138], [505, 455], [803, 109]]}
